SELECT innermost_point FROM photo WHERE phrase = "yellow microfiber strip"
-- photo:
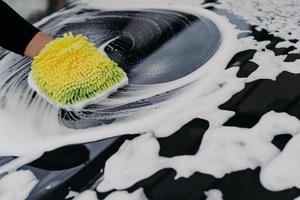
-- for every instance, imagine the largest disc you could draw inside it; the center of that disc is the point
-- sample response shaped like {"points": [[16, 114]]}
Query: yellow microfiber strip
{"points": [[70, 69]]}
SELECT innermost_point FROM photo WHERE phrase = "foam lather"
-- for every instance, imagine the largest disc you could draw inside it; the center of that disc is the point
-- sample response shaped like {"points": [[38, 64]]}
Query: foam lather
{"points": [[70, 72]]}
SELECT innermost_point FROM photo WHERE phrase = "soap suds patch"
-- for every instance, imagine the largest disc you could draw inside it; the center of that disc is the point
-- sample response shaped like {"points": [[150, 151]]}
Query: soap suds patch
{"points": [[17, 185], [214, 194], [279, 17], [223, 150], [252, 146], [87, 195], [124, 195]]}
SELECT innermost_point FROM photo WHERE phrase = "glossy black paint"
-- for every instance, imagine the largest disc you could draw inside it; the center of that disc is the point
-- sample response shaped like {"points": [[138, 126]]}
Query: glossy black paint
{"points": [[152, 46], [250, 104]]}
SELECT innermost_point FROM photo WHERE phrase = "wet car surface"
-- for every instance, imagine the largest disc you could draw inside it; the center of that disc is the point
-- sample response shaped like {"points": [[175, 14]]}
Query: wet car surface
{"points": [[59, 171]]}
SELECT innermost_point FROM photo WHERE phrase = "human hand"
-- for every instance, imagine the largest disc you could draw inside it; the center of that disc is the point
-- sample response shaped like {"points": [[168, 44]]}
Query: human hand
{"points": [[37, 43]]}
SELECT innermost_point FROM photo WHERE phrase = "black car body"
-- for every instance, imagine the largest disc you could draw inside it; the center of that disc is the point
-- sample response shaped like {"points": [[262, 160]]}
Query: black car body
{"points": [[63, 171]]}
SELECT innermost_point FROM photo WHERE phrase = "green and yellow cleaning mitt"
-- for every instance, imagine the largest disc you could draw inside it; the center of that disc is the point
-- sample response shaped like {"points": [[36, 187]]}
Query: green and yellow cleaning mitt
{"points": [[70, 72]]}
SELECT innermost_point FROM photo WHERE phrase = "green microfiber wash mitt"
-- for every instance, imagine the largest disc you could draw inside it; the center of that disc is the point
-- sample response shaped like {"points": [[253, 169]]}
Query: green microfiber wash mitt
{"points": [[70, 73]]}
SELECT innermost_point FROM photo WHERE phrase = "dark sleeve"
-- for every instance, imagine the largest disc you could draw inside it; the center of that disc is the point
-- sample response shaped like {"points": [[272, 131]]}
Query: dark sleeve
{"points": [[15, 32]]}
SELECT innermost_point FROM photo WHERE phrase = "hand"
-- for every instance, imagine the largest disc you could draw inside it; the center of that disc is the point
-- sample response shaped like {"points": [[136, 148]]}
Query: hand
{"points": [[37, 43]]}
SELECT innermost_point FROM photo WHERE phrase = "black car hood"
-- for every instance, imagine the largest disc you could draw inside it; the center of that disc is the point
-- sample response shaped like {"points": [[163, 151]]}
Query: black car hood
{"points": [[63, 171]]}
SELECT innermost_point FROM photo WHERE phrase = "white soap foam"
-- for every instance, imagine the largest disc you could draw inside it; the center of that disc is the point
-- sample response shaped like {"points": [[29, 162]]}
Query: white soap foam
{"points": [[270, 66], [284, 44], [17, 185], [38, 129], [214, 194], [72, 194], [223, 150], [26, 10], [124, 195], [283, 172], [122, 3], [297, 46], [279, 17], [102, 47], [87, 195], [237, 148], [17, 163], [28, 131]]}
